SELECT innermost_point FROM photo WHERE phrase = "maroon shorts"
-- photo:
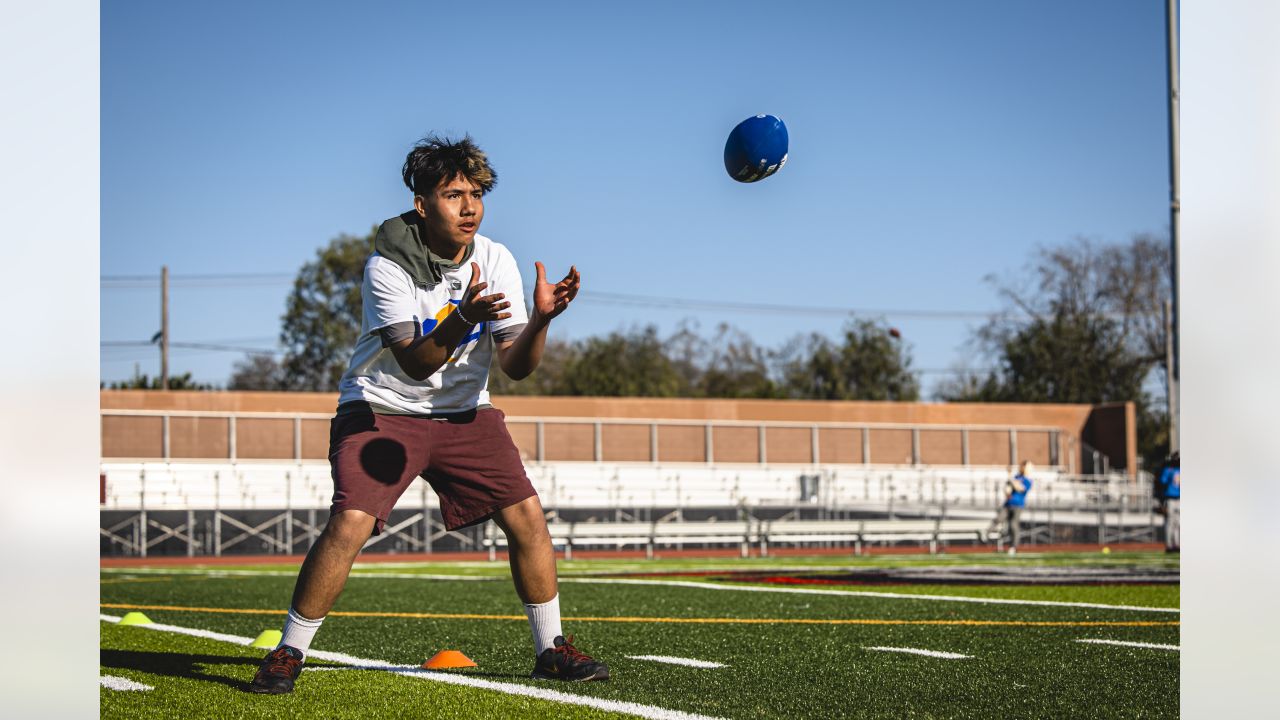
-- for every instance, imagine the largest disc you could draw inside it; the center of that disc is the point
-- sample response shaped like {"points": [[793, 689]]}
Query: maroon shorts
{"points": [[469, 460]]}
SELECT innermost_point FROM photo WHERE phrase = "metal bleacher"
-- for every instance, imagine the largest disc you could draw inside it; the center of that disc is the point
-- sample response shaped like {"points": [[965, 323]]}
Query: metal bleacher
{"points": [[280, 506]]}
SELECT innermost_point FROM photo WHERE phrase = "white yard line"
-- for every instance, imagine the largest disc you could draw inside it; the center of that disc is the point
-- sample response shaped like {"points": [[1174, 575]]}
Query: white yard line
{"points": [[112, 682], [918, 651], [866, 593], [688, 662], [700, 586], [210, 572], [1126, 643], [414, 671]]}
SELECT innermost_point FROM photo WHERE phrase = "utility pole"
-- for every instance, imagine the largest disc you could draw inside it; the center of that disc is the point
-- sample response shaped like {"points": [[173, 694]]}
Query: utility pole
{"points": [[1168, 374], [164, 327], [1171, 25]]}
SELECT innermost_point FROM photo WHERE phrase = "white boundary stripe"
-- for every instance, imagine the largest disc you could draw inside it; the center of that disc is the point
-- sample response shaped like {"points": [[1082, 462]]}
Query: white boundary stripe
{"points": [[865, 593], [918, 651], [689, 662], [112, 682], [1126, 643], [629, 708], [294, 574], [711, 586]]}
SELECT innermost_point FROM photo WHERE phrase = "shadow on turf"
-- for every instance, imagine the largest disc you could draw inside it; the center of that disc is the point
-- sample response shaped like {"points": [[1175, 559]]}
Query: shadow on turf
{"points": [[492, 675], [180, 665], [188, 666]]}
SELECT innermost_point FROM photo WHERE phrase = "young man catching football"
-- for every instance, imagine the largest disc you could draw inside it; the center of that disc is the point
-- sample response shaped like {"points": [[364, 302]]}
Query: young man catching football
{"points": [[439, 302]]}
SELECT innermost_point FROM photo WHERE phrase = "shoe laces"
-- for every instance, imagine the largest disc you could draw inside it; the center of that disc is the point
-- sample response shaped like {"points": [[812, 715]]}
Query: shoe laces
{"points": [[282, 662], [570, 652]]}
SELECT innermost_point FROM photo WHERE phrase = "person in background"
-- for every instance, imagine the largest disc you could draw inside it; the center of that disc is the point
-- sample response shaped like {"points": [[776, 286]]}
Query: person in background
{"points": [[1169, 495], [1015, 499]]}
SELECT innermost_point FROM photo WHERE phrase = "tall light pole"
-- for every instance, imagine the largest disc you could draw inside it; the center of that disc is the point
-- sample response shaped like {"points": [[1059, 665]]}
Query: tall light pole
{"points": [[1172, 370]]}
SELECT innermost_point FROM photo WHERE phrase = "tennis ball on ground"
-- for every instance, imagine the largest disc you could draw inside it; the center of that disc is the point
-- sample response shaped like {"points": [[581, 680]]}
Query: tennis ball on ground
{"points": [[1106, 551]]}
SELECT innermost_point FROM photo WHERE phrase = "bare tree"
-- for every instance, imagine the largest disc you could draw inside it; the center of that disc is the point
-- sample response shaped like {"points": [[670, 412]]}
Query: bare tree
{"points": [[257, 372], [1082, 323]]}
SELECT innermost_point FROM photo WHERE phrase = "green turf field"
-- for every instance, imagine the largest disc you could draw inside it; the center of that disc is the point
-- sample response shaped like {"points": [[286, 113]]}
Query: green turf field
{"points": [[786, 651]]}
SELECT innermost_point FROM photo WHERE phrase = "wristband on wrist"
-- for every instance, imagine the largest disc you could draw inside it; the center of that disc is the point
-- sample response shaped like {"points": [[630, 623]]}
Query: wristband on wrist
{"points": [[458, 311]]}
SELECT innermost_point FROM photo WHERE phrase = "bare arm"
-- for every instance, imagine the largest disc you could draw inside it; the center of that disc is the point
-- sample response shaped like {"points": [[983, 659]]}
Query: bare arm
{"points": [[520, 357], [422, 356]]}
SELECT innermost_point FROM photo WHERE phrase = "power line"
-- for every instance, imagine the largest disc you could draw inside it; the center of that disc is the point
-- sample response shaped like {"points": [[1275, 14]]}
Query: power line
{"points": [[198, 276], [212, 280], [190, 346], [142, 282], [689, 304], [719, 305]]}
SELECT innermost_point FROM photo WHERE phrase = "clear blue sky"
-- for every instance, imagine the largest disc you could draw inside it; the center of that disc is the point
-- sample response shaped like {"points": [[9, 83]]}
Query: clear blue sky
{"points": [[932, 143]]}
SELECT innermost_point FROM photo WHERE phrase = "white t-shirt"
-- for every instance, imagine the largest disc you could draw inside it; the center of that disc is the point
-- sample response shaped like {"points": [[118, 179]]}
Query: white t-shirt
{"points": [[390, 296]]}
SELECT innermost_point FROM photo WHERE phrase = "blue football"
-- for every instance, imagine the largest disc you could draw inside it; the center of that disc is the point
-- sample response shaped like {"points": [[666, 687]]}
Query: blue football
{"points": [[756, 149]]}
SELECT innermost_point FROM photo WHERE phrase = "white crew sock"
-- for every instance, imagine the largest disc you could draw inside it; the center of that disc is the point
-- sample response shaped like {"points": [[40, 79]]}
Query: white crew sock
{"points": [[544, 621], [298, 631]]}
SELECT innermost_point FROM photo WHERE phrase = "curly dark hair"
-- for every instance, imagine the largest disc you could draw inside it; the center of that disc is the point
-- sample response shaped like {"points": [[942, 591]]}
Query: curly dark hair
{"points": [[438, 159]]}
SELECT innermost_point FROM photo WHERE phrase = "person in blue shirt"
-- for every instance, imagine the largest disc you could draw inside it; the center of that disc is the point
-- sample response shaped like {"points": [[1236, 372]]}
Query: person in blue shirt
{"points": [[1169, 493], [1015, 499]]}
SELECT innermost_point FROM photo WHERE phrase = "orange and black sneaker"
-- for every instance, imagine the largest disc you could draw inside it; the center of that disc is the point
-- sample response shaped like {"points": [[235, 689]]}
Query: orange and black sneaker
{"points": [[566, 662], [278, 671]]}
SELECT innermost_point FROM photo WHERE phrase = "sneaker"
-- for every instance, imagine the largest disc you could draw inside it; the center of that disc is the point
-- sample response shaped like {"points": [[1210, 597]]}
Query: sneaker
{"points": [[565, 662], [278, 671]]}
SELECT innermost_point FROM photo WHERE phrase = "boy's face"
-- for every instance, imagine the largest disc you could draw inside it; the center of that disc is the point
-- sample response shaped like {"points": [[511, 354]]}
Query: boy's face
{"points": [[452, 211]]}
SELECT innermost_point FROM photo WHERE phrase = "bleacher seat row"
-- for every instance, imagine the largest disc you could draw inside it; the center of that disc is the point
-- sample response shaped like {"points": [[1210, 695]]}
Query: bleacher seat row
{"points": [[265, 485], [761, 533]]}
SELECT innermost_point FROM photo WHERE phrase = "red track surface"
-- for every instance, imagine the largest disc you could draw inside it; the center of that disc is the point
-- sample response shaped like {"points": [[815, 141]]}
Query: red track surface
{"points": [[444, 557]]}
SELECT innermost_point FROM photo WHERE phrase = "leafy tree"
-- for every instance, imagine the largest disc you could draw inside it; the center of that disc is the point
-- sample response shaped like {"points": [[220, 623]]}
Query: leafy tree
{"points": [[688, 349], [870, 363], [322, 316], [257, 372], [1067, 358], [140, 381], [737, 368], [548, 379], [631, 364]]}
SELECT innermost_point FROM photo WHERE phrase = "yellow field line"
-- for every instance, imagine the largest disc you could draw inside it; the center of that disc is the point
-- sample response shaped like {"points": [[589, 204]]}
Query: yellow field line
{"points": [[695, 621]]}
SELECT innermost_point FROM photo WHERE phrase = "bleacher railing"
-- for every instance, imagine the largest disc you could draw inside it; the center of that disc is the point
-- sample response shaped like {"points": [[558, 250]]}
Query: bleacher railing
{"points": [[279, 507]]}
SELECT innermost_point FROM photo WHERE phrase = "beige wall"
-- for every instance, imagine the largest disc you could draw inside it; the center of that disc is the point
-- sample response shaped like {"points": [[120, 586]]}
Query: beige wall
{"points": [[941, 439]]}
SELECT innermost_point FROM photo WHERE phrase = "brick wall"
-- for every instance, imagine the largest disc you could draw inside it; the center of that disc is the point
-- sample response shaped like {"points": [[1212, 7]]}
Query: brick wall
{"points": [[202, 429]]}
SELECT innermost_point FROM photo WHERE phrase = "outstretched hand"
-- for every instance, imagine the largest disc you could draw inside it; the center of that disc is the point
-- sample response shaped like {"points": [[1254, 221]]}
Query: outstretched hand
{"points": [[477, 308], [551, 300]]}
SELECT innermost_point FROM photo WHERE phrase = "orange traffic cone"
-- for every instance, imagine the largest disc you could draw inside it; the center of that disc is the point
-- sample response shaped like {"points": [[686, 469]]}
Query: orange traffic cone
{"points": [[448, 659]]}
